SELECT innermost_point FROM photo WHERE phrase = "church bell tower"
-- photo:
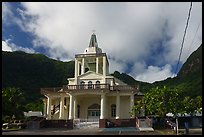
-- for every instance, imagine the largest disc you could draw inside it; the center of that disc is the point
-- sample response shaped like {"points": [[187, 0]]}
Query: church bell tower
{"points": [[91, 60]]}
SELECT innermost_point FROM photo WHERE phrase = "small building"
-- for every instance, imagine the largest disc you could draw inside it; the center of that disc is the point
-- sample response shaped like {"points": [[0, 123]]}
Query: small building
{"points": [[34, 119], [33, 114], [93, 94]]}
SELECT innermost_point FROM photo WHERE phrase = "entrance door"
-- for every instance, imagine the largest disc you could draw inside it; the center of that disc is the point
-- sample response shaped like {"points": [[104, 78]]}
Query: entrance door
{"points": [[94, 112]]}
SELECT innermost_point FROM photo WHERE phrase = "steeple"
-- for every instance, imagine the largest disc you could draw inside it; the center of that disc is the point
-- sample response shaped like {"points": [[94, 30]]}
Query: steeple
{"points": [[93, 41], [93, 46]]}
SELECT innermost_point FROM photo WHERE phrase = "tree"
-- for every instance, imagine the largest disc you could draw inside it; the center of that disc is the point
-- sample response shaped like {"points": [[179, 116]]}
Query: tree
{"points": [[13, 101], [160, 101], [35, 106]]}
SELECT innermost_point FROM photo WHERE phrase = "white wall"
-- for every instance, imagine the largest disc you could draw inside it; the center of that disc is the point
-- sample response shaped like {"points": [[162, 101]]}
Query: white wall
{"points": [[124, 106]]}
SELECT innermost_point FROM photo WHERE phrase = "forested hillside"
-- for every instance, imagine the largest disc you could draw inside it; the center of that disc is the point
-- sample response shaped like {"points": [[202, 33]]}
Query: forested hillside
{"points": [[30, 72]]}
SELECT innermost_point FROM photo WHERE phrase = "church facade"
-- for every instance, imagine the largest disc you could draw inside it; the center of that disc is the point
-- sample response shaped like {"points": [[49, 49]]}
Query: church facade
{"points": [[93, 94]]}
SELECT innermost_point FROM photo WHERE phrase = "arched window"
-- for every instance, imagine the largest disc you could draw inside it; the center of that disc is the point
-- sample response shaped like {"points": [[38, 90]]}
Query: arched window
{"points": [[97, 84], [82, 84], [113, 110], [89, 84], [94, 106]]}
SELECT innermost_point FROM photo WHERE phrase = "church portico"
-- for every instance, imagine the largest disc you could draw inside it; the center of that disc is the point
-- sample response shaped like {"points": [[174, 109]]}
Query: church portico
{"points": [[56, 106]]}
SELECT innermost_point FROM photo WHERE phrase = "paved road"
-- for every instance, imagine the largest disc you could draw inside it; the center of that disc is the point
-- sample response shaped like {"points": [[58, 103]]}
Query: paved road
{"points": [[88, 131]]}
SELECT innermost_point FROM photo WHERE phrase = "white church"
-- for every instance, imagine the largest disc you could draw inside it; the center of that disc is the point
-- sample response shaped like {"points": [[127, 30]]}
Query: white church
{"points": [[93, 94]]}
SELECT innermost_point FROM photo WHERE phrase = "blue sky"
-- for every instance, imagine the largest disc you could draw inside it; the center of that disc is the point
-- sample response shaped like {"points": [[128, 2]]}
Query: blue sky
{"points": [[140, 39]]}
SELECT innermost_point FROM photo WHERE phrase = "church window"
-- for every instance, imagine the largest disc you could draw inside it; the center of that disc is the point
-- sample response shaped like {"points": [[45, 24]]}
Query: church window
{"points": [[86, 69], [79, 69], [78, 111], [82, 84], [89, 84], [65, 101], [97, 84]]}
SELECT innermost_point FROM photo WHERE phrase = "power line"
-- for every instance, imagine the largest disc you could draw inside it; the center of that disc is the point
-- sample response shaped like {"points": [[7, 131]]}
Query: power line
{"points": [[194, 37], [183, 39]]}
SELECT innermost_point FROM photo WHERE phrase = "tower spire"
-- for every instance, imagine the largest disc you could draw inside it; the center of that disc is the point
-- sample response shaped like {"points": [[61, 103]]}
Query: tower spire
{"points": [[93, 45], [93, 41]]}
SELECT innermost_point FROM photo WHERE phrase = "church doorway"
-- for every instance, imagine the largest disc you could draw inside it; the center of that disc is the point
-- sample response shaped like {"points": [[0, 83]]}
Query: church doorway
{"points": [[94, 112]]}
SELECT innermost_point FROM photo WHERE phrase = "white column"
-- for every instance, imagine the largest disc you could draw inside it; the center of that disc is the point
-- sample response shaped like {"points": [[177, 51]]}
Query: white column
{"points": [[111, 83], [96, 64], [61, 115], [102, 116], [76, 68], [132, 104], [117, 106], [67, 106], [71, 107], [104, 65], [82, 66], [75, 107], [49, 102]]}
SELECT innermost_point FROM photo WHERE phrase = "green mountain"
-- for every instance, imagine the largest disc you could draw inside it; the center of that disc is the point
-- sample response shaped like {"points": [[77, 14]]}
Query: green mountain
{"points": [[30, 72], [189, 78]]}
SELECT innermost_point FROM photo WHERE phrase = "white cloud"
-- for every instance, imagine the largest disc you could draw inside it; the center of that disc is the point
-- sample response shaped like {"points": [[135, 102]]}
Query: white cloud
{"points": [[153, 73], [19, 48], [5, 47], [6, 11], [115, 65], [9, 46], [128, 32], [177, 22], [138, 68]]}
